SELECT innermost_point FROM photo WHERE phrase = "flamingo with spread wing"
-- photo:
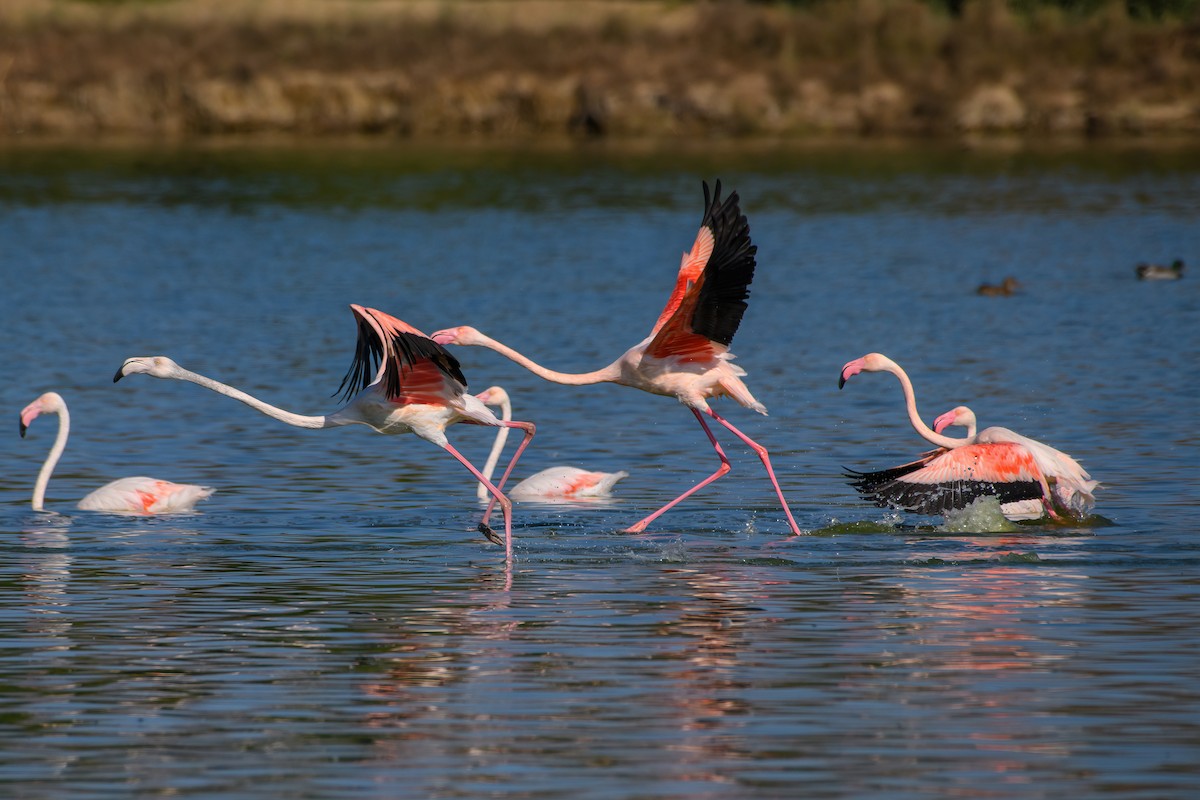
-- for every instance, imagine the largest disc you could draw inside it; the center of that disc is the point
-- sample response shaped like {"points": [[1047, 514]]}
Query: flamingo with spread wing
{"points": [[417, 388], [1028, 478], [686, 355]]}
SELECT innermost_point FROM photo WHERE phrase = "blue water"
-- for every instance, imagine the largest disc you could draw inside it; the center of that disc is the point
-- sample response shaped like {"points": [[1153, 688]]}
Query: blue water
{"points": [[331, 625]]}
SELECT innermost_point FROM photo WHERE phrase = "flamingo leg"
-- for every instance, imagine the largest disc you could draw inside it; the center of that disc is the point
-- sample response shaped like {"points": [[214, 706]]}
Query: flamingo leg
{"points": [[640, 526], [766, 460], [529, 429], [505, 503]]}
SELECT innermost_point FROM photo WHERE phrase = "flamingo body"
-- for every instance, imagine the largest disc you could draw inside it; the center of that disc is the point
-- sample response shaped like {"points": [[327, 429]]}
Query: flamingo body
{"points": [[566, 483], [552, 483], [138, 495], [686, 355], [400, 381], [1070, 486]]}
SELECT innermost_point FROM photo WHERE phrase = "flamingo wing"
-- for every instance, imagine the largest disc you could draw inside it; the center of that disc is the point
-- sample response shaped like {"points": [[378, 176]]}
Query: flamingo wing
{"points": [[709, 299], [947, 480], [409, 366], [1070, 484]]}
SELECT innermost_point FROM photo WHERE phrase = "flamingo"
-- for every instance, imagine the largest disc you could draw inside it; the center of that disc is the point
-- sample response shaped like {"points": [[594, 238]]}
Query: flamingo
{"points": [[1070, 484], [552, 483], [1013, 469], [686, 355], [418, 388], [137, 495]]}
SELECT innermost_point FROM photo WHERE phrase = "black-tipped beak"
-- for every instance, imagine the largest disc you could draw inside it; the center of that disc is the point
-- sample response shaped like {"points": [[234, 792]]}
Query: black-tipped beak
{"points": [[119, 374], [841, 381], [490, 534], [24, 428]]}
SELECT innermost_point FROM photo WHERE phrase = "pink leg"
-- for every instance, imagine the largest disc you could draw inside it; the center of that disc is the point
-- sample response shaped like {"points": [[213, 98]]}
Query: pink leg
{"points": [[766, 460], [529, 429], [505, 503], [640, 526]]}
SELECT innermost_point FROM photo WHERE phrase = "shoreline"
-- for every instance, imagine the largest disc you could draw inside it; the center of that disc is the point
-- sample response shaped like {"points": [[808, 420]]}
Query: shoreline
{"points": [[513, 69]]}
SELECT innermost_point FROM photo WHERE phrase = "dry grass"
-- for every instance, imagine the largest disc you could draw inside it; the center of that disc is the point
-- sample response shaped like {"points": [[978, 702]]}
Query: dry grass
{"points": [[586, 67]]}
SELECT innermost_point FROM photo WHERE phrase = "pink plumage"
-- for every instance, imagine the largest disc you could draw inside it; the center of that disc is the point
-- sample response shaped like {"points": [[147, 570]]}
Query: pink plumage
{"points": [[137, 495], [686, 355]]}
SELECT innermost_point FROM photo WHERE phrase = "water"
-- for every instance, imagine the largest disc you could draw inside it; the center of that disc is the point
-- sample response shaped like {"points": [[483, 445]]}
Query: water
{"points": [[330, 625]]}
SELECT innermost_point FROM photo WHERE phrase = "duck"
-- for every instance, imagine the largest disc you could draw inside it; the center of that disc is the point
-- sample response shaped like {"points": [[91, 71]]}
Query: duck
{"points": [[1157, 272], [1007, 287]]}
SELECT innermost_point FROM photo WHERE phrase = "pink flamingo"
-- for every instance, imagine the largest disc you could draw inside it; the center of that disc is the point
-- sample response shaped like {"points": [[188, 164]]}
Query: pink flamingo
{"points": [[1011, 468], [418, 388], [138, 495], [552, 483], [1071, 486], [686, 355]]}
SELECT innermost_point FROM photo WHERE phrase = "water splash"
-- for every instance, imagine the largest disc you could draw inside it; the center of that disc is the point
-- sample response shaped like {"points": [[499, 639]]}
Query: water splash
{"points": [[981, 516]]}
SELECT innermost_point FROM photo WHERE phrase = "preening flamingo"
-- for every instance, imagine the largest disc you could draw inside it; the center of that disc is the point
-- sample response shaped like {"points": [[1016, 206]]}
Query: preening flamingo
{"points": [[552, 483], [123, 496], [686, 355], [960, 470], [418, 388], [1070, 484]]}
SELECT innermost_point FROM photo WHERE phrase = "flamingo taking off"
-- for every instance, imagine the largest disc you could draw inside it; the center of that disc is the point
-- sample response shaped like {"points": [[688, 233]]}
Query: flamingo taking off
{"points": [[418, 388], [123, 496], [552, 483], [1016, 470], [686, 355]]}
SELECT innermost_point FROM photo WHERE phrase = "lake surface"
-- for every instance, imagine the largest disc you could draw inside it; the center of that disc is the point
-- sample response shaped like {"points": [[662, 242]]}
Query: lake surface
{"points": [[331, 625]]}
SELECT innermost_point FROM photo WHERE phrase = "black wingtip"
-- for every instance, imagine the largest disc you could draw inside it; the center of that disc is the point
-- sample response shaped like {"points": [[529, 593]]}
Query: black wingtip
{"points": [[490, 534]]}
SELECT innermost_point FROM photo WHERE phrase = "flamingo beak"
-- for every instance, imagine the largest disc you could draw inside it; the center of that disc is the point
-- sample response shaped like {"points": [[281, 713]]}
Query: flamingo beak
{"points": [[24, 428], [120, 373]]}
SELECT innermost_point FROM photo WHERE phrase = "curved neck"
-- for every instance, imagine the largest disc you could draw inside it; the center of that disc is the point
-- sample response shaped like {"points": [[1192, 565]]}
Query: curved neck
{"points": [[56, 451], [607, 374], [287, 417], [497, 447], [923, 430]]}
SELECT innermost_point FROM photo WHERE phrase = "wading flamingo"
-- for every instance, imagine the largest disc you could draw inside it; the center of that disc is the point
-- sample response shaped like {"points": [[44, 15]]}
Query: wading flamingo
{"points": [[686, 355], [418, 388], [552, 483], [123, 496], [959, 471], [1071, 486]]}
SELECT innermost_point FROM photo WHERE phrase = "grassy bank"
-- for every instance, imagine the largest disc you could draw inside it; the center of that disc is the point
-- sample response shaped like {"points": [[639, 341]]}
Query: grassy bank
{"points": [[614, 68]]}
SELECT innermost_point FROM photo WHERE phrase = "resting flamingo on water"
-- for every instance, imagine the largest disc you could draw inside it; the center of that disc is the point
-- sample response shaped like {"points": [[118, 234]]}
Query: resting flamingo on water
{"points": [[686, 355], [1016, 470], [552, 483], [123, 496], [418, 388]]}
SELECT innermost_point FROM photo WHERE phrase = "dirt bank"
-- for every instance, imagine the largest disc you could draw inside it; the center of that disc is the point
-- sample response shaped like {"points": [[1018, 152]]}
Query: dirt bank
{"points": [[587, 68]]}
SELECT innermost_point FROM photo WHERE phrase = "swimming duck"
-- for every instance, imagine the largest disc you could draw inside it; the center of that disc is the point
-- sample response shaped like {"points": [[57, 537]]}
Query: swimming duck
{"points": [[1007, 287], [1157, 272]]}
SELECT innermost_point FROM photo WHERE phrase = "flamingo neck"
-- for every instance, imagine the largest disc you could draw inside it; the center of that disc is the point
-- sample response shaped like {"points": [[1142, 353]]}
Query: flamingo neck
{"points": [[497, 447], [56, 451], [608, 374], [910, 402], [286, 417]]}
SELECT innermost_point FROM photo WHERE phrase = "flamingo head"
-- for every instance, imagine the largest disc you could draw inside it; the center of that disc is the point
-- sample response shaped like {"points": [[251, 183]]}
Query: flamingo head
{"points": [[49, 403], [492, 396], [463, 334], [871, 362], [158, 366], [960, 415]]}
